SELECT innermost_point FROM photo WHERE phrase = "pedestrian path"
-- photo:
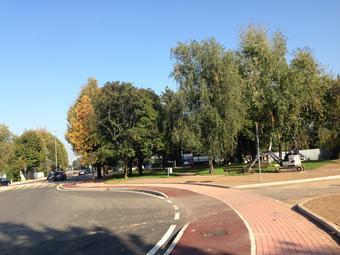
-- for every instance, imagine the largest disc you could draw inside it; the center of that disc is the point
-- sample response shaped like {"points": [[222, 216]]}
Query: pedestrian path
{"points": [[28, 186], [277, 229]]}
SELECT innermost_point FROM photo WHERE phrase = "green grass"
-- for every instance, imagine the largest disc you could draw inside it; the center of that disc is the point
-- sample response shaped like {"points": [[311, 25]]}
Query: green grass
{"points": [[311, 165], [233, 170]]}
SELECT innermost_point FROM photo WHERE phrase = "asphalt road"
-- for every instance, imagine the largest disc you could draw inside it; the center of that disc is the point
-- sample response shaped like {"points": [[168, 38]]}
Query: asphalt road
{"points": [[48, 221], [294, 193]]}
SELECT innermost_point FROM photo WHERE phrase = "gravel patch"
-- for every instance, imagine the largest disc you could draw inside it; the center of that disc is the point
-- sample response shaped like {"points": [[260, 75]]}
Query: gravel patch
{"points": [[327, 207]]}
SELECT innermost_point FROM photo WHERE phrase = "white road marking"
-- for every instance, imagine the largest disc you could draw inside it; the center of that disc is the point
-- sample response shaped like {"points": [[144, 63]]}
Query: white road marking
{"points": [[169, 201], [172, 246], [175, 207], [162, 241], [177, 214]]}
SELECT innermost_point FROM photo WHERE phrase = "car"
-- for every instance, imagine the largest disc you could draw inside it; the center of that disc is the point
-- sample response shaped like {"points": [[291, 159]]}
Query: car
{"points": [[57, 176], [4, 182], [82, 172]]}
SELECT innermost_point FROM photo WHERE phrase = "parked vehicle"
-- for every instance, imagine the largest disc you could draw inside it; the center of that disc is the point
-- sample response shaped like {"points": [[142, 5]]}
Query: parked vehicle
{"points": [[4, 182], [84, 171], [57, 176]]}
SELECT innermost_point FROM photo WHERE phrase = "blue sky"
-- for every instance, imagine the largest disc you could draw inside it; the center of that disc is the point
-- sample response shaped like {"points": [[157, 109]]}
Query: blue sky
{"points": [[49, 48]]}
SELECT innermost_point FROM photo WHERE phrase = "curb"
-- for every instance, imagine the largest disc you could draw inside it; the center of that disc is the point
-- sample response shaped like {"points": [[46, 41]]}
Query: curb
{"points": [[144, 191], [268, 184], [335, 230]]}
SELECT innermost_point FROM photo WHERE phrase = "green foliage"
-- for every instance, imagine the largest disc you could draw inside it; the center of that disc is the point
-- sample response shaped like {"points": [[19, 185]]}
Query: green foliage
{"points": [[51, 142], [210, 91], [6, 148], [330, 130], [31, 149], [127, 120]]}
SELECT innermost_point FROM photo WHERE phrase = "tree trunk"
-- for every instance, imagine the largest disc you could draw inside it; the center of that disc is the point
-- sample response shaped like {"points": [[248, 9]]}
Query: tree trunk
{"points": [[269, 149], [211, 166], [125, 169], [280, 151], [140, 165], [130, 167], [99, 171]]}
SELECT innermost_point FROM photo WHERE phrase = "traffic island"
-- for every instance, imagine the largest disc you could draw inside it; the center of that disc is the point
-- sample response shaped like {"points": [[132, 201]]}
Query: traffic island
{"points": [[325, 210]]}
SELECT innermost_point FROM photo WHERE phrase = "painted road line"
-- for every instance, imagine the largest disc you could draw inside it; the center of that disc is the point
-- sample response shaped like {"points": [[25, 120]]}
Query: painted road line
{"points": [[169, 201], [174, 243], [162, 241], [175, 207], [177, 214]]}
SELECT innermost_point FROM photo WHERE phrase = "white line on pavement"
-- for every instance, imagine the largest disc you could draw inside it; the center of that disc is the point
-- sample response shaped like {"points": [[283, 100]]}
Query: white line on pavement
{"points": [[177, 214], [162, 241], [169, 201], [172, 246], [175, 207]]}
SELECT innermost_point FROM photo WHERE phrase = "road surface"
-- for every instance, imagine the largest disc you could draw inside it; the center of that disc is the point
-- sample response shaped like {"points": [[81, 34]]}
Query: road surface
{"points": [[39, 219]]}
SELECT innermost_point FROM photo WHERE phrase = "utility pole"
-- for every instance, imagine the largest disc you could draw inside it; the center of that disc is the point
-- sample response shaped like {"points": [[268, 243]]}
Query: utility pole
{"points": [[258, 149]]}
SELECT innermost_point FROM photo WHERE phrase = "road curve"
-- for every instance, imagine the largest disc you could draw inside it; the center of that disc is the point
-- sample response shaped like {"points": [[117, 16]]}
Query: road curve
{"points": [[47, 221]]}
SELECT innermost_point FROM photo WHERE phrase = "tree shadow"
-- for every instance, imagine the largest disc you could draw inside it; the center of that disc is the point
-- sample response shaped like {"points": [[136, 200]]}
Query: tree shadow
{"points": [[23, 239]]}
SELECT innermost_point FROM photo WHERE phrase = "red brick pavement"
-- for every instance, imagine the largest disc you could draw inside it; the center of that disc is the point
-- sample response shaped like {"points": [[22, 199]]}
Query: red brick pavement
{"points": [[276, 227]]}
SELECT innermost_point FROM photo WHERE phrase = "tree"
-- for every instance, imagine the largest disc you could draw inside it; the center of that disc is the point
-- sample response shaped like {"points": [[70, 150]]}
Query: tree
{"points": [[210, 89], [49, 141], [174, 137], [30, 150], [6, 148], [81, 125], [145, 134], [264, 69], [330, 130], [308, 87], [127, 119]]}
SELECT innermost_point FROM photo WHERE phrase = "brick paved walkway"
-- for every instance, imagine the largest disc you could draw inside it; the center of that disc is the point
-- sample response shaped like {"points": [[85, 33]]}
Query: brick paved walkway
{"points": [[277, 228]]}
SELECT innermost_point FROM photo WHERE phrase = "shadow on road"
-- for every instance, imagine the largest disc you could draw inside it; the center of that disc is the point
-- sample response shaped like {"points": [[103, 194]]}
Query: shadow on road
{"points": [[20, 239], [23, 239]]}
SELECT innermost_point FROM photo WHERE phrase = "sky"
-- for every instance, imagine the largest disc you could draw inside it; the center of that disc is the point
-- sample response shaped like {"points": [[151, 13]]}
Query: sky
{"points": [[48, 49]]}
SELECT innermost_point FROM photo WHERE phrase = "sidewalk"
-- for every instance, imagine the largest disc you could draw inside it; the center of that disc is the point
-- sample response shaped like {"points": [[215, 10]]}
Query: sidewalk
{"points": [[273, 226]]}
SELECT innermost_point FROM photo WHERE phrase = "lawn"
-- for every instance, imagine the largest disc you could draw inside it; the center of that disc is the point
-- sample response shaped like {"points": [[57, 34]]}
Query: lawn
{"points": [[233, 170]]}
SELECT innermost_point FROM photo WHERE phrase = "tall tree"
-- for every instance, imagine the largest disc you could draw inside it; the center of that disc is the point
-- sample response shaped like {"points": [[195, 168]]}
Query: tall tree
{"points": [[330, 130], [31, 149], [210, 89], [127, 119], [6, 148], [264, 69], [52, 143], [308, 89], [81, 125]]}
